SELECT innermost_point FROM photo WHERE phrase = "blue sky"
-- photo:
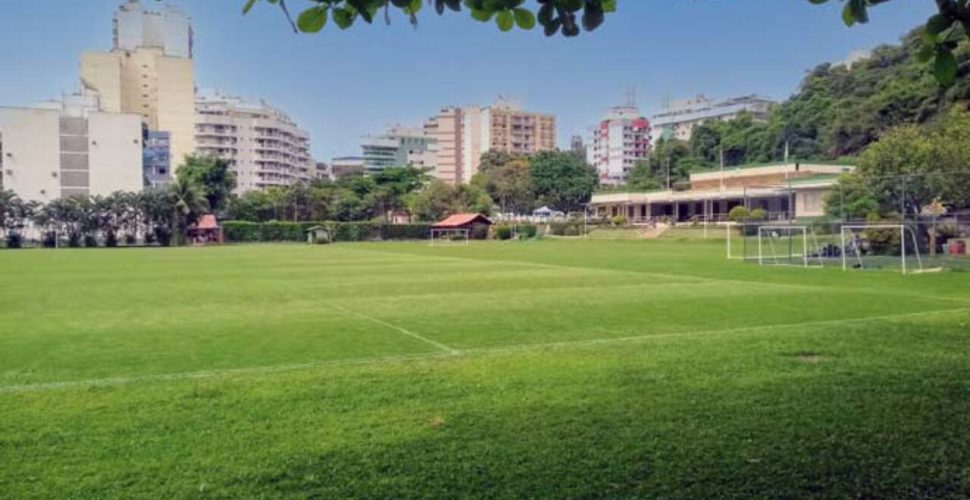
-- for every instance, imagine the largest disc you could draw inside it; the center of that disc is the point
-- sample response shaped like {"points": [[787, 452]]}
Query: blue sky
{"points": [[340, 85]]}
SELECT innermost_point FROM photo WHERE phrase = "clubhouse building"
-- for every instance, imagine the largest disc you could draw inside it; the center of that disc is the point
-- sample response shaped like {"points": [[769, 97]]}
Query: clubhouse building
{"points": [[786, 191]]}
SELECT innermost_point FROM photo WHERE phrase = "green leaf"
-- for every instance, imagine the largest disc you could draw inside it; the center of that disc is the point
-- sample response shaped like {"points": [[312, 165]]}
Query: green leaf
{"points": [[312, 20], [848, 17], [248, 6], [524, 18], [343, 17], [481, 15], [945, 67], [505, 20]]}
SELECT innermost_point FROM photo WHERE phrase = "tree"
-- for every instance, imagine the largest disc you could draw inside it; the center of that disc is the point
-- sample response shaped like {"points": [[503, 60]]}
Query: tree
{"points": [[911, 166], [439, 199], [563, 180], [15, 213], [214, 177], [555, 16], [851, 199], [508, 180], [188, 203], [668, 155], [940, 35]]}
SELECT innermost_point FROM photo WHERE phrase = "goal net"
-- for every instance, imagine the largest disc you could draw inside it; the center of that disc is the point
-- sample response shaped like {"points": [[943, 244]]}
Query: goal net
{"points": [[784, 245], [441, 237], [881, 246]]}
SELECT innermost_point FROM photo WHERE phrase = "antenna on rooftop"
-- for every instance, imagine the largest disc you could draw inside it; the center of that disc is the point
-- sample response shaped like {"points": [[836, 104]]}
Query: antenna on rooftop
{"points": [[630, 96]]}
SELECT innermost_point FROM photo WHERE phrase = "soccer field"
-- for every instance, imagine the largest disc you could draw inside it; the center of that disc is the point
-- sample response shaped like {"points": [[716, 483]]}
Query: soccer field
{"points": [[540, 369]]}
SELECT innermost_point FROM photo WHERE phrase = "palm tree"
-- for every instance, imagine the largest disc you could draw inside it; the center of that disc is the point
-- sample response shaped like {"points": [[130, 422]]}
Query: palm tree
{"points": [[188, 204]]}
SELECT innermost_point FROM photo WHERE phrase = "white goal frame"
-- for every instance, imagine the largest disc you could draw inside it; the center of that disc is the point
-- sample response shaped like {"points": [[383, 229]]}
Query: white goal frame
{"points": [[791, 237], [902, 228], [441, 236]]}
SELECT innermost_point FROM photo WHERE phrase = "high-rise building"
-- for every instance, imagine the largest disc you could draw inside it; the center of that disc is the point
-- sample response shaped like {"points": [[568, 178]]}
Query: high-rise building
{"points": [[399, 146], [463, 135], [445, 129], [68, 148], [262, 144], [506, 128], [577, 145], [149, 72], [620, 140], [679, 118], [168, 29]]}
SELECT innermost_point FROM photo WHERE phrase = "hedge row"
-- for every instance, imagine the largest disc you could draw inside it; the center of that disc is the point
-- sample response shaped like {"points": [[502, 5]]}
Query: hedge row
{"points": [[248, 232]]}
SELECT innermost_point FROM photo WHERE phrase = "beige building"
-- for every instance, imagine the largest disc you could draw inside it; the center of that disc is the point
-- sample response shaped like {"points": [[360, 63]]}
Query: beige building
{"points": [[262, 144], [66, 149], [445, 128], [463, 135], [784, 191], [149, 72]]}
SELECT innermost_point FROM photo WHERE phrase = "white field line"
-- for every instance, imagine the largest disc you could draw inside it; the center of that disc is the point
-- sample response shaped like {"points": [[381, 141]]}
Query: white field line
{"points": [[392, 326], [699, 279], [450, 353]]}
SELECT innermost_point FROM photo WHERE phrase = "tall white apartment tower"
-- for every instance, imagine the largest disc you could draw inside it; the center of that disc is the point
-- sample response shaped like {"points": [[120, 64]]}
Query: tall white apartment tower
{"points": [[620, 140]]}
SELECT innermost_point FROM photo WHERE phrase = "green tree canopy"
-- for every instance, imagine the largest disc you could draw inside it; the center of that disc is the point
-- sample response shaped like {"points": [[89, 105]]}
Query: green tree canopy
{"points": [[214, 177], [563, 180]]}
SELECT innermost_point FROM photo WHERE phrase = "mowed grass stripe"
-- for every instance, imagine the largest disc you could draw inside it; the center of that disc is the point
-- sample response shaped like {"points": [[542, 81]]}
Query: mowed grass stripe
{"points": [[708, 269], [449, 353]]}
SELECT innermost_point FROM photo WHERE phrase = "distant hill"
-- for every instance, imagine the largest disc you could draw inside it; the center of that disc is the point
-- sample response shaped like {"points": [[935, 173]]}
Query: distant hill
{"points": [[839, 109]]}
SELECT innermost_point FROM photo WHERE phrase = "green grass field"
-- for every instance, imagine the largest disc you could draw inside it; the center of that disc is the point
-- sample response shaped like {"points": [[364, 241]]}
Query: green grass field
{"points": [[539, 369]]}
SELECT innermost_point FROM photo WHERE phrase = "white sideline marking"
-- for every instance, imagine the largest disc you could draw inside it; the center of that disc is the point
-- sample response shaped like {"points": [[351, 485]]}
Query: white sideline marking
{"points": [[449, 353], [392, 326]]}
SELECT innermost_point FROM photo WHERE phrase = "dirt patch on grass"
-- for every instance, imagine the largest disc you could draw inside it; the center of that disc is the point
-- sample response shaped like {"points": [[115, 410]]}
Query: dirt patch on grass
{"points": [[809, 357]]}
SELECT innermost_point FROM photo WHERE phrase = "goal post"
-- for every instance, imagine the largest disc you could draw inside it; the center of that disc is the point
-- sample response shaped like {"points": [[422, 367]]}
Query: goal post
{"points": [[783, 245], [450, 236], [880, 246]]}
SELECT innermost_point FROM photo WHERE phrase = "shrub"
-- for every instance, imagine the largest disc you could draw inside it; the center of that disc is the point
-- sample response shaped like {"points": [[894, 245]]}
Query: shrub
{"points": [[739, 214], [251, 232], [406, 231], [163, 235], [130, 240], [566, 228], [111, 240], [758, 214], [90, 241], [528, 231], [74, 240], [14, 240], [49, 240], [503, 232], [619, 220]]}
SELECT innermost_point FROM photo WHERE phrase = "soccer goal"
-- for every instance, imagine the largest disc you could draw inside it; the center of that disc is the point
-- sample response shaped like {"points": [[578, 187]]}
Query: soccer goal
{"points": [[881, 246], [741, 240], [441, 237], [784, 245]]}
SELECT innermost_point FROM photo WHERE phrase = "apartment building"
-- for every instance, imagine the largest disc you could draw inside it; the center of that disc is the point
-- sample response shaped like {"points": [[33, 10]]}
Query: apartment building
{"points": [[463, 135], [620, 140], [148, 72], [262, 144], [398, 146], [68, 148], [445, 128], [679, 118]]}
